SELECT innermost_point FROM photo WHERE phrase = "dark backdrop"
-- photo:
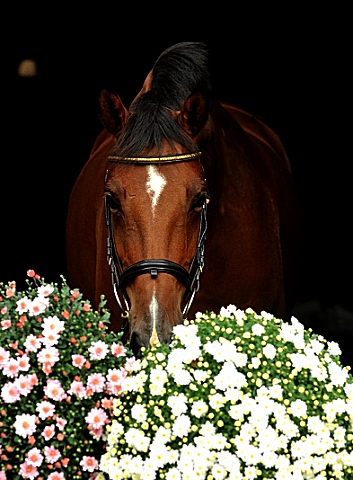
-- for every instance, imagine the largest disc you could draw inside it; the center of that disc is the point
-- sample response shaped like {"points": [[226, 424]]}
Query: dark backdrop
{"points": [[288, 66]]}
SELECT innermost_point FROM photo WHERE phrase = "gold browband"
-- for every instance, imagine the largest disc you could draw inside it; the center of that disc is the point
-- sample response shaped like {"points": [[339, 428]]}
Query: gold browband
{"points": [[163, 159]]}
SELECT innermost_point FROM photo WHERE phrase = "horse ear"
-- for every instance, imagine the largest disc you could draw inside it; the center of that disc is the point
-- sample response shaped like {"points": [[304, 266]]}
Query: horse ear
{"points": [[194, 113], [113, 114]]}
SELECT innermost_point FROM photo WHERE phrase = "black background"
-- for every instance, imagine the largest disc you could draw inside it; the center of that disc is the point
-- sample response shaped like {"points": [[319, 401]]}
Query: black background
{"points": [[288, 65]]}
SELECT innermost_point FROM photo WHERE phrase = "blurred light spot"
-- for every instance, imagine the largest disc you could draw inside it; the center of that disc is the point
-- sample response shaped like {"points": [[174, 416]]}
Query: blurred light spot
{"points": [[27, 68]]}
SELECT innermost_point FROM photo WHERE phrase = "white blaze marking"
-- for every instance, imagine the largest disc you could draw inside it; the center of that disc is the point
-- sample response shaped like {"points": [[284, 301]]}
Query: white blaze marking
{"points": [[155, 184], [153, 311]]}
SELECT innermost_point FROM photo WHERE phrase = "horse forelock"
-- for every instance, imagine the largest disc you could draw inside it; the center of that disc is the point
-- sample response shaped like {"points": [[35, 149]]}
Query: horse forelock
{"points": [[178, 72]]}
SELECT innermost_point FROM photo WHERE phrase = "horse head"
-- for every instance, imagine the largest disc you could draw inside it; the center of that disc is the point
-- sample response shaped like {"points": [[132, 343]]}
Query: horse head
{"points": [[155, 193]]}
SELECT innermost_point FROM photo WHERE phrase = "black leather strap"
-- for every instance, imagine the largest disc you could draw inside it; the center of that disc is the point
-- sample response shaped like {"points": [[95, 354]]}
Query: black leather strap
{"points": [[153, 267]]}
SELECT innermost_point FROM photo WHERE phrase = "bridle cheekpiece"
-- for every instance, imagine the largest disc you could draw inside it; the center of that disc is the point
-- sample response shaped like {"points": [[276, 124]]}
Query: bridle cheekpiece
{"points": [[121, 278]]}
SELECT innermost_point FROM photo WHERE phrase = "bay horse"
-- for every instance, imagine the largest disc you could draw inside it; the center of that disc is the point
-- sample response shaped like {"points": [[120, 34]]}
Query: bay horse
{"points": [[145, 190]]}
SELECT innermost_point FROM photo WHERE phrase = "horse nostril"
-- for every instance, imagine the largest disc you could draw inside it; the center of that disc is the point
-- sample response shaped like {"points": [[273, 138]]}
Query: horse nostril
{"points": [[134, 345]]}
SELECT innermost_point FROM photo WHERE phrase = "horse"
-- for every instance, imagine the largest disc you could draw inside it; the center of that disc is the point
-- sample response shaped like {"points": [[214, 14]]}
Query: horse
{"points": [[176, 167]]}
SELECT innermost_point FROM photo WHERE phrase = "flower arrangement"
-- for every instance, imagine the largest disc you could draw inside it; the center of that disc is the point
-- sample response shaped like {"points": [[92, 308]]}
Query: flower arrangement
{"points": [[59, 371], [236, 396]]}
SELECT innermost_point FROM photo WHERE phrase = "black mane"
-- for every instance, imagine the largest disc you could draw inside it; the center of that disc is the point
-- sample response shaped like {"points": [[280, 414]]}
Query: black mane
{"points": [[178, 72]]}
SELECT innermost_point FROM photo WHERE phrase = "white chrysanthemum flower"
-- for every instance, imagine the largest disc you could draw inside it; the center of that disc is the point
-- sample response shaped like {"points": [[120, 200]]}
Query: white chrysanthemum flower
{"points": [[187, 334], [240, 359], [218, 472], [224, 312], [215, 349], [116, 428], [207, 429], [349, 390], [216, 400], [288, 427], [192, 351], [160, 356], [299, 360], [181, 426], [136, 465], [258, 329], [224, 379], [139, 413], [182, 377], [175, 360], [229, 352], [287, 332], [339, 433], [298, 341], [333, 348], [338, 375], [158, 454], [269, 351], [232, 394], [137, 439], [177, 405], [163, 435], [200, 375], [199, 408], [315, 424], [275, 391], [256, 362], [173, 474], [219, 441], [158, 375], [316, 345], [298, 408]]}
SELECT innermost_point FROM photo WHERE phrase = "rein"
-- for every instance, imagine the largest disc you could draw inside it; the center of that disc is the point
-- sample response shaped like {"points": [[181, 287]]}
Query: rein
{"points": [[121, 278]]}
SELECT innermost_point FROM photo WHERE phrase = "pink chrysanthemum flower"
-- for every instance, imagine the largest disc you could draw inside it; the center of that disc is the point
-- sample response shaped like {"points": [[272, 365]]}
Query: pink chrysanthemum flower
{"points": [[45, 409], [60, 423], [118, 350], [45, 290], [89, 464], [78, 389], [23, 363], [34, 457], [32, 343], [10, 368], [53, 324], [52, 454], [23, 305], [96, 417], [115, 376], [28, 471], [98, 350], [4, 356], [38, 306], [96, 433], [5, 324], [10, 393], [50, 338], [23, 383], [25, 425], [33, 379], [48, 355], [48, 432], [56, 476], [78, 360], [96, 382], [54, 390]]}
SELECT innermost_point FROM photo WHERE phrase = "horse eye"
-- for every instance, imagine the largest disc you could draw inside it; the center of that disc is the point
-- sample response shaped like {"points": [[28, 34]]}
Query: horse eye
{"points": [[113, 202], [199, 201]]}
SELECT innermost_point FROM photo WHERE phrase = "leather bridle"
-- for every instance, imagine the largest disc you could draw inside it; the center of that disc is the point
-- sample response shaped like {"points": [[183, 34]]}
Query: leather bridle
{"points": [[121, 278]]}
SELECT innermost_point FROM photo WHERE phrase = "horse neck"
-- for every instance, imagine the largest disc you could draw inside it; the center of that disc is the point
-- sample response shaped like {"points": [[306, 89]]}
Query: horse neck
{"points": [[222, 143]]}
